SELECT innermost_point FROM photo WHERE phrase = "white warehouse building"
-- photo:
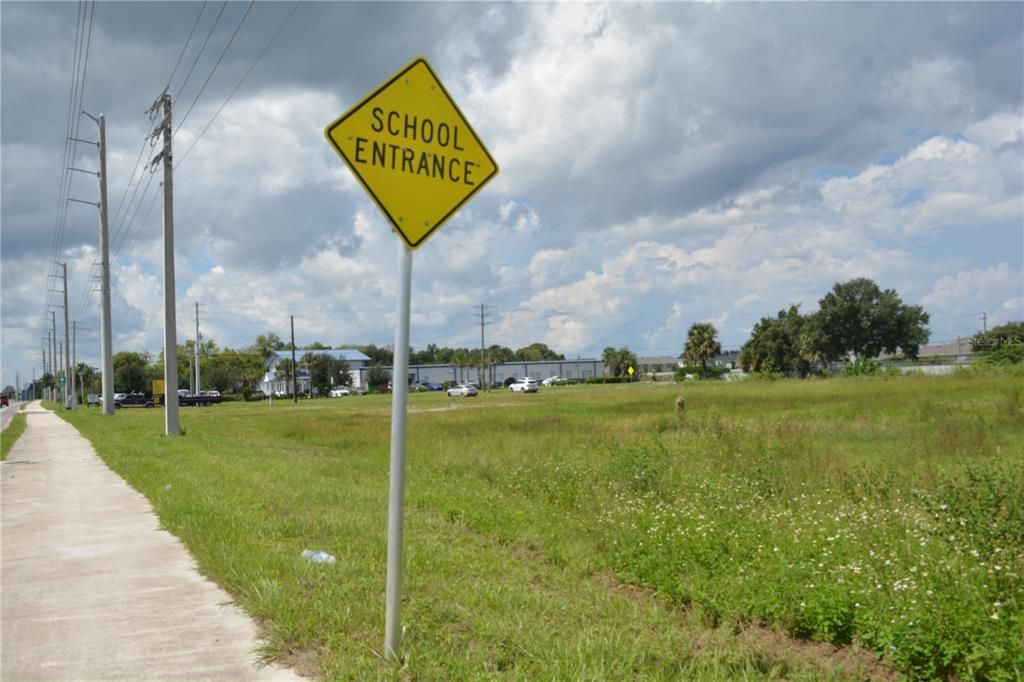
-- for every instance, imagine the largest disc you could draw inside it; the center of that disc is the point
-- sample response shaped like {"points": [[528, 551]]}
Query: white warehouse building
{"points": [[497, 374]]}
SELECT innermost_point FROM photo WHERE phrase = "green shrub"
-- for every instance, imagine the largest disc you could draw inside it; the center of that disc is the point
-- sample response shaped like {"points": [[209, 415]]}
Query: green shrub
{"points": [[862, 367], [1006, 354]]}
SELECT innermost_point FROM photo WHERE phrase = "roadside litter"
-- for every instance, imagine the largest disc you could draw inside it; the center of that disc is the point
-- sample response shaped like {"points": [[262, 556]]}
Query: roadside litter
{"points": [[318, 557]]}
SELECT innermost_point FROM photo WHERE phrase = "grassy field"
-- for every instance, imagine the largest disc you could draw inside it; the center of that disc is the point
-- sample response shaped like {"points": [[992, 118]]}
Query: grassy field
{"points": [[783, 530]]}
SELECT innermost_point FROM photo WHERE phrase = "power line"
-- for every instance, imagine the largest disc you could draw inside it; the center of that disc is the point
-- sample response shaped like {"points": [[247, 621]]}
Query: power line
{"points": [[80, 64], [123, 208], [185, 47], [135, 238], [121, 238], [202, 89], [122, 234], [64, 172], [203, 46], [266, 47]]}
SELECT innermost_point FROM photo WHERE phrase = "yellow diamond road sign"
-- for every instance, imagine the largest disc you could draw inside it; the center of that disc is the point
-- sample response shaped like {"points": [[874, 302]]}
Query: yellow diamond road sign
{"points": [[413, 151]]}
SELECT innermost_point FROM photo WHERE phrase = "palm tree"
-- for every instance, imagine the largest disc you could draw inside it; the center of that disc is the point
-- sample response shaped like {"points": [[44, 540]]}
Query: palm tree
{"points": [[618, 360], [283, 372], [461, 359], [701, 345]]}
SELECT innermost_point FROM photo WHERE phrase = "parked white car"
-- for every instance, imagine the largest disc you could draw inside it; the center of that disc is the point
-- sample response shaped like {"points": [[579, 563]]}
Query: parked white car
{"points": [[462, 390], [340, 391], [554, 381], [524, 385]]}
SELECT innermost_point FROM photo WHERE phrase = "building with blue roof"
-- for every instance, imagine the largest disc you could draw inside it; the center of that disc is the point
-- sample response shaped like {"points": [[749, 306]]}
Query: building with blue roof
{"points": [[271, 385]]}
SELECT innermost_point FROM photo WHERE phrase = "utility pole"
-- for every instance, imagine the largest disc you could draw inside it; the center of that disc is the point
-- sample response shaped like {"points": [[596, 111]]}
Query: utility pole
{"points": [[34, 383], [106, 352], [74, 363], [53, 354], [984, 321], [195, 384], [295, 369], [483, 363], [172, 426], [45, 390], [69, 375]]}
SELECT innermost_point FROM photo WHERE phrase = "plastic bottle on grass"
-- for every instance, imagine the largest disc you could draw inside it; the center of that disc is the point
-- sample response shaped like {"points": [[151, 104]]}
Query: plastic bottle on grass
{"points": [[318, 557]]}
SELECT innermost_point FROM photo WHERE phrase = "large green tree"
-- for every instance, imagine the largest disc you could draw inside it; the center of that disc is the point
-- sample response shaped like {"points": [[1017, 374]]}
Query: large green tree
{"points": [[859, 318], [231, 370], [497, 354], [701, 345], [326, 371], [377, 354], [131, 372], [776, 345], [266, 344], [537, 351], [377, 376]]}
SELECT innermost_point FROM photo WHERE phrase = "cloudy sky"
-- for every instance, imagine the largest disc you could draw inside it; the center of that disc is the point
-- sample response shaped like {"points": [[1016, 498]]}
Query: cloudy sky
{"points": [[661, 164]]}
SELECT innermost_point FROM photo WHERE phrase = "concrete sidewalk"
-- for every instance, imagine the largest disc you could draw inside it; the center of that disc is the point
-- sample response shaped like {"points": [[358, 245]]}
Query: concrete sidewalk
{"points": [[92, 588]]}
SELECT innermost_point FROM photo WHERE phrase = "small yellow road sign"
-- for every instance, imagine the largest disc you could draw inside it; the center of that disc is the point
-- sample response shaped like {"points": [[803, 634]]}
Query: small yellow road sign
{"points": [[631, 370], [158, 386], [413, 151]]}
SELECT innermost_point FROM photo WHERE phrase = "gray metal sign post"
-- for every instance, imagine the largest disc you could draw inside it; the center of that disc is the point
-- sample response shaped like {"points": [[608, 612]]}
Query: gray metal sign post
{"points": [[396, 488]]}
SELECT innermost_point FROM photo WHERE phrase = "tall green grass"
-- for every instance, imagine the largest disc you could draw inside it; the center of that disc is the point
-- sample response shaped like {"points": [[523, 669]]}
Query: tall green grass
{"points": [[10, 435], [584, 533]]}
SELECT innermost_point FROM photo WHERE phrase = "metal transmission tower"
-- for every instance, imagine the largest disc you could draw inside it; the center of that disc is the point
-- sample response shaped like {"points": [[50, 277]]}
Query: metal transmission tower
{"points": [[172, 426]]}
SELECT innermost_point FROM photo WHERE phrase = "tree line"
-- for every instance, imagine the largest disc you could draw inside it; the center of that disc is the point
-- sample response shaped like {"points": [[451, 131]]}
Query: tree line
{"points": [[855, 320], [234, 370]]}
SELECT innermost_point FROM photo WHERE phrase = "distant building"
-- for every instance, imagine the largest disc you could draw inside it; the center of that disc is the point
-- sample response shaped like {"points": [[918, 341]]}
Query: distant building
{"points": [[497, 374], [947, 352], [270, 384], [728, 358], [660, 364]]}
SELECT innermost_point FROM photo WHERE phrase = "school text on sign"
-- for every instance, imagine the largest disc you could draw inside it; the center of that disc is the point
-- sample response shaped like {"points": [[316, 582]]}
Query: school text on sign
{"points": [[413, 151]]}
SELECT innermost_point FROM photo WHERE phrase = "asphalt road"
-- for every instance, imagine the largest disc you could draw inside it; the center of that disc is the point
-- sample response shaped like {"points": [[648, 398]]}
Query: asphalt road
{"points": [[7, 414]]}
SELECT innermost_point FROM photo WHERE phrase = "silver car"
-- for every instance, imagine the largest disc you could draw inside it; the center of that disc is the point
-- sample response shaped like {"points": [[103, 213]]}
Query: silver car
{"points": [[524, 385], [462, 391]]}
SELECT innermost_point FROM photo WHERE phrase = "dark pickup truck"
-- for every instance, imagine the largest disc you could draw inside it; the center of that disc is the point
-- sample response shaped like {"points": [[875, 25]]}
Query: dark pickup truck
{"points": [[133, 400], [201, 400]]}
